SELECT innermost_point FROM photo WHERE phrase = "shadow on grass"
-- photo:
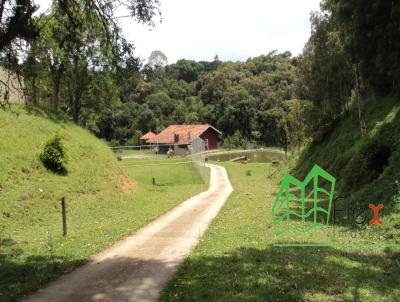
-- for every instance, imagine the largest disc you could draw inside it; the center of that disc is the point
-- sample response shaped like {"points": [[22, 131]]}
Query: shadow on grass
{"points": [[59, 118], [244, 274], [287, 274], [62, 171], [20, 275]]}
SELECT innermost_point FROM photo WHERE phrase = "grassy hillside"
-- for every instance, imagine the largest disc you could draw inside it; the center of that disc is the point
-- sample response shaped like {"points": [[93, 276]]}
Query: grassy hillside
{"points": [[367, 168], [104, 204]]}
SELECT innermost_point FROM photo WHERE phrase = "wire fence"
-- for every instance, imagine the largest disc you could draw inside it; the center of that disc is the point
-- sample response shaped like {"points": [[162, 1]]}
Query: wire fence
{"points": [[197, 156], [150, 151], [152, 155], [141, 151]]}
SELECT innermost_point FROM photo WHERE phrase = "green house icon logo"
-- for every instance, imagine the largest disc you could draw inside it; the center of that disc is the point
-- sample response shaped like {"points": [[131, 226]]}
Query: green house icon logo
{"points": [[303, 206]]}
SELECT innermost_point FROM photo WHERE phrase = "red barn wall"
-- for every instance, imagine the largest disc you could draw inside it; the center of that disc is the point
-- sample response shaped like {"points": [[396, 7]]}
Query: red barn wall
{"points": [[212, 137]]}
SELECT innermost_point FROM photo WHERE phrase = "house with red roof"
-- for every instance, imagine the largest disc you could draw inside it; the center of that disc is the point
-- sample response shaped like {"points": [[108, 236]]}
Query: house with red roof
{"points": [[178, 137]]}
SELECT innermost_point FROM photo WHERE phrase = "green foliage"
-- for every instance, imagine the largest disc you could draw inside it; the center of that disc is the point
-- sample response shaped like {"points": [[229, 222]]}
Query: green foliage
{"points": [[365, 167], [77, 53], [99, 192], [372, 39], [121, 97], [17, 22], [17, 27], [324, 74], [237, 252], [186, 70], [250, 98], [54, 155], [235, 141]]}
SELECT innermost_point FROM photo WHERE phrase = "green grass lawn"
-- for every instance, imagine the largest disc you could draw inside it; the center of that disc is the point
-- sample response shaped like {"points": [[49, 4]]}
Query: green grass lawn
{"points": [[166, 172], [127, 152], [104, 204], [236, 259]]}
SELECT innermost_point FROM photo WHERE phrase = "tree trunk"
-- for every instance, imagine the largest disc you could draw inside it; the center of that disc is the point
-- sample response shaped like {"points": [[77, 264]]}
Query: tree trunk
{"points": [[360, 103], [74, 103], [34, 92], [75, 112], [56, 74], [55, 95], [77, 100]]}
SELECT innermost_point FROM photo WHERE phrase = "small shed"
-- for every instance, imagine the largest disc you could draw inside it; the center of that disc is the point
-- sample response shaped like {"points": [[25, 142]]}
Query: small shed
{"points": [[146, 138]]}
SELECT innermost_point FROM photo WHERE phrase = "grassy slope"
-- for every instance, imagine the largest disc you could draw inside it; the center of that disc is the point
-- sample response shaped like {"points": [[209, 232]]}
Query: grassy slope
{"points": [[236, 259], [104, 205], [358, 163]]}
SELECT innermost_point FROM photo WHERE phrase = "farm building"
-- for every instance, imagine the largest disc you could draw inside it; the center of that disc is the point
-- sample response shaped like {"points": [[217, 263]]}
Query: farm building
{"points": [[178, 137]]}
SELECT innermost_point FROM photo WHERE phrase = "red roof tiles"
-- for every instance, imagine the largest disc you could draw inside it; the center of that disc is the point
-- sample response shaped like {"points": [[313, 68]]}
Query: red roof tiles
{"points": [[180, 134], [148, 136]]}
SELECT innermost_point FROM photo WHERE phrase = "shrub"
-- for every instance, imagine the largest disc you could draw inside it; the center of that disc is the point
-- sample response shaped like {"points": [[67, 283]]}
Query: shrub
{"points": [[54, 156]]}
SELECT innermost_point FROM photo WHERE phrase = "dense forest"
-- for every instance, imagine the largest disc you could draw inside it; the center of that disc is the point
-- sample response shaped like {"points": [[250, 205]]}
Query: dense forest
{"points": [[240, 99], [81, 65]]}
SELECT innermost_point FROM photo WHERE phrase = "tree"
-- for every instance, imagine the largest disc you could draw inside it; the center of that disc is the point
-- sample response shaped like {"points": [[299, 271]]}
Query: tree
{"points": [[186, 70], [73, 47], [283, 133], [16, 22], [295, 123], [256, 135], [157, 59], [16, 27], [324, 72], [372, 40], [49, 50], [327, 73]]}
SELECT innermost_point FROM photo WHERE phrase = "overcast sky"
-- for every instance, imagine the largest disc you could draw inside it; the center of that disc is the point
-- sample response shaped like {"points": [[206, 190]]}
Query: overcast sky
{"points": [[233, 29]]}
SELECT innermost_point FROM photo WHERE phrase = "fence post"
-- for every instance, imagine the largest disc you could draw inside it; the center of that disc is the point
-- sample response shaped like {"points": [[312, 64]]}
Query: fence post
{"points": [[64, 215], [154, 181]]}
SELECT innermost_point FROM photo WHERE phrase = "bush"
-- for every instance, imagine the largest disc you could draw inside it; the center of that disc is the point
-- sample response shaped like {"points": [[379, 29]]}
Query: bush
{"points": [[54, 156], [235, 141]]}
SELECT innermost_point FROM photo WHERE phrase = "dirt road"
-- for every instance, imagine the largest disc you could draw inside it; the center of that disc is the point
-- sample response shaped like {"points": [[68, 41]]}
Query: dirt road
{"points": [[138, 267]]}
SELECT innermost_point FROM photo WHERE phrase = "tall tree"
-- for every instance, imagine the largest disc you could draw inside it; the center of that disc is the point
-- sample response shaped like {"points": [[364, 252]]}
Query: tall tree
{"points": [[72, 45], [372, 40], [157, 59], [325, 74], [16, 24]]}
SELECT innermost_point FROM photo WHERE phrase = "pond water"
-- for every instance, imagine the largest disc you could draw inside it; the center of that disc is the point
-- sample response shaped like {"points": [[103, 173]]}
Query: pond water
{"points": [[258, 156]]}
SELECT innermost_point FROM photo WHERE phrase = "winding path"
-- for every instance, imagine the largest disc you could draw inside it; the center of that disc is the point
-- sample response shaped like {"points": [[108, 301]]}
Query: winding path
{"points": [[138, 267]]}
